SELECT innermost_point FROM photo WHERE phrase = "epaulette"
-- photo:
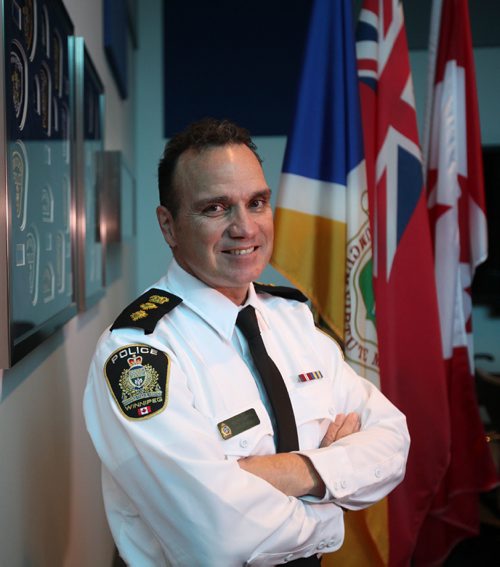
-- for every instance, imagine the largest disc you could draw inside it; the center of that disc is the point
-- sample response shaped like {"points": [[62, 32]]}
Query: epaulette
{"points": [[280, 291], [147, 310]]}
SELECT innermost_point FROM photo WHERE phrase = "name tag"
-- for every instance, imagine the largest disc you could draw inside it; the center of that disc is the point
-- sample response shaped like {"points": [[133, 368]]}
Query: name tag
{"points": [[238, 423]]}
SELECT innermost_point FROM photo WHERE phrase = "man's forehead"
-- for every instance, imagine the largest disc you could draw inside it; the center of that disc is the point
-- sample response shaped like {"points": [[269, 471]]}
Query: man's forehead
{"points": [[217, 164], [205, 155]]}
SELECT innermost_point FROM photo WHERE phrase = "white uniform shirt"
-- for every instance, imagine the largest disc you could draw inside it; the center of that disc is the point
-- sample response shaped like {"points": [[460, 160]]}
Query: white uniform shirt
{"points": [[173, 491]]}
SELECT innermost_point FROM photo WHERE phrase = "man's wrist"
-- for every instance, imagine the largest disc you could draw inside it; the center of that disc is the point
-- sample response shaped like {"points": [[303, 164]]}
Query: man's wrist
{"points": [[317, 487]]}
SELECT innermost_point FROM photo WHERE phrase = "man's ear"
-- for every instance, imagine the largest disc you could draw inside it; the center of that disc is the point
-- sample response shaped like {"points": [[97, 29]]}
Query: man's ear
{"points": [[166, 222]]}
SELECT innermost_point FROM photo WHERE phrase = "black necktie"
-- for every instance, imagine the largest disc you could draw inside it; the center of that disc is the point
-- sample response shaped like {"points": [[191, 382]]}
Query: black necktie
{"points": [[287, 439], [278, 396]]}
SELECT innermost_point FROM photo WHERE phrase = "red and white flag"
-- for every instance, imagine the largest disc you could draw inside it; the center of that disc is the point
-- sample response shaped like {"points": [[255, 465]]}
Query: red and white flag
{"points": [[456, 207], [412, 371]]}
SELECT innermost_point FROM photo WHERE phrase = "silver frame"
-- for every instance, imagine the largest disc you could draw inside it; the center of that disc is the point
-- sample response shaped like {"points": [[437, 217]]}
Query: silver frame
{"points": [[4, 214], [85, 299]]}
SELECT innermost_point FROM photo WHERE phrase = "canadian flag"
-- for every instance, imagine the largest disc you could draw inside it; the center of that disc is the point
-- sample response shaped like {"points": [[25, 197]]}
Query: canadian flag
{"points": [[144, 411], [458, 222]]}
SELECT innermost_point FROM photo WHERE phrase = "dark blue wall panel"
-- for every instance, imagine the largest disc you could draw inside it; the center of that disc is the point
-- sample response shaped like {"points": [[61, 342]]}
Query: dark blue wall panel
{"points": [[230, 59]]}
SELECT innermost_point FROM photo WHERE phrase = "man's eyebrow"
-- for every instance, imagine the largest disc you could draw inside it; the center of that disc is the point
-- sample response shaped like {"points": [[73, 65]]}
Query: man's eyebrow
{"points": [[262, 193], [202, 203], [225, 200]]}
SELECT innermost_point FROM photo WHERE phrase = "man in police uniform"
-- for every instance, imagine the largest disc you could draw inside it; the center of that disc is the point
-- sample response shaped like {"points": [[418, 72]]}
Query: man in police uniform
{"points": [[198, 468]]}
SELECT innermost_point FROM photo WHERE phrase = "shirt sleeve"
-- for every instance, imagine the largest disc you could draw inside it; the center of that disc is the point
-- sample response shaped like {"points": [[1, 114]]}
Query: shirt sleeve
{"points": [[361, 468], [202, 508]]}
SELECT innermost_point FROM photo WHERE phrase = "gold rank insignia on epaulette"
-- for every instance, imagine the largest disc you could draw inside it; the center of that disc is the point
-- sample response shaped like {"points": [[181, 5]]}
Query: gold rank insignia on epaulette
{"points": [[280, 291], [147, 310]]}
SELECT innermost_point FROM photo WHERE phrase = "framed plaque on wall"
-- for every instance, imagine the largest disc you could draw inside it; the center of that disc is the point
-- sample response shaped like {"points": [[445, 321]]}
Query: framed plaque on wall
{"points": [[89, 143], [36, 220]]}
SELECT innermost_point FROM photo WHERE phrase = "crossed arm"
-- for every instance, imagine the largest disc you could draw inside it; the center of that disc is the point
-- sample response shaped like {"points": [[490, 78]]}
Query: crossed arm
{"points": [[294, 474]]}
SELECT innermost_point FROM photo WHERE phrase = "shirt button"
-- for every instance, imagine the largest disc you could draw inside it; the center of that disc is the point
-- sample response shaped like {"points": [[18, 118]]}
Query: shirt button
{"points": [[289, 557], [378, 473], [332, 411], [332, 542], [321, 545], [343, 484], [243, 443]]}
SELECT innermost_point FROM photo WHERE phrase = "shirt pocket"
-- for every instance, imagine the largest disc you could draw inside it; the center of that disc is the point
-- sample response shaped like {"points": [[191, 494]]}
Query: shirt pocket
{"points": [[314, 410], [245, 431]]}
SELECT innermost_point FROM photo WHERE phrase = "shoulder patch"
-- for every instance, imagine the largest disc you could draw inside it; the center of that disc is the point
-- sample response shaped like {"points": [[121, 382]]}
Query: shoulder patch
{"points": [[138, 376], [280, 291], [147, 310]]}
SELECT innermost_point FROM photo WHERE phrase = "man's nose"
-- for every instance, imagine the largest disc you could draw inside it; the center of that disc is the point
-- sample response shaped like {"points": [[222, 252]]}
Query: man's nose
{"points": [[242, 224]]}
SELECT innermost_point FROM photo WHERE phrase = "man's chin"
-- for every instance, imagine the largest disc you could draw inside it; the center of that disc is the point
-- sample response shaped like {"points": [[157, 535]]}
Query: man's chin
{"points": [[247, 276]]}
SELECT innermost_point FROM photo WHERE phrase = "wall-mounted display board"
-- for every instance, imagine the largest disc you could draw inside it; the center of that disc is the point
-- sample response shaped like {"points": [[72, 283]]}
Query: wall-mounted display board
{"points": [[118, 210], [36, 124], [118, 197], [89, 143], [128, 208]]}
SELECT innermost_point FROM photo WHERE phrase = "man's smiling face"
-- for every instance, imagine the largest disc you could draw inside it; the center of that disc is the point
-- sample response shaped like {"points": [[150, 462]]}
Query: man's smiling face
{"points": [[223, 231]]}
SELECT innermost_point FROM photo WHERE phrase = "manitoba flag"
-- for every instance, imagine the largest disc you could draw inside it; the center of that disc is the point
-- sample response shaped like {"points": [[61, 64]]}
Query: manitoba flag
{"points": [[412, 371]]}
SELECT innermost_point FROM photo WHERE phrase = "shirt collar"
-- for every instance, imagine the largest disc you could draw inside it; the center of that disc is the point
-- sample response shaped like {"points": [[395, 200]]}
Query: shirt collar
{"points": [[254, 300], [212, 306]]}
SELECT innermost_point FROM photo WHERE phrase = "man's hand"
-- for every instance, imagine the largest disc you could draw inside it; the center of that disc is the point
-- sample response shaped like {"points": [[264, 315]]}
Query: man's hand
{"points": [[342, 426]]}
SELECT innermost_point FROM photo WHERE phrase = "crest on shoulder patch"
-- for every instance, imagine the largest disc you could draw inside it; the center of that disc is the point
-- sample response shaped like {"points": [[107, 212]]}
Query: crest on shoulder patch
{"points": [[138, 378]]}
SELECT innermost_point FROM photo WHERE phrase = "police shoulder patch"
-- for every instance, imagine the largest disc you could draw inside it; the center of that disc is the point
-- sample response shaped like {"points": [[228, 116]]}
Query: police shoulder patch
{"points": [[137, 376], [280, 291], [147, 310]]}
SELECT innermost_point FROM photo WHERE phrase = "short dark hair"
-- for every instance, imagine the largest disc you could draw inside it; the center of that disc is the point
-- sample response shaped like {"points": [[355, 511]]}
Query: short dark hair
{"points": [[198, 136]]}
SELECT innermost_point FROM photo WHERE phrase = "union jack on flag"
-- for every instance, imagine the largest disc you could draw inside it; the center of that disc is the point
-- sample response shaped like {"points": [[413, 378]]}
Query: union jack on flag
{"points": [[411, 364], [398, 167]]}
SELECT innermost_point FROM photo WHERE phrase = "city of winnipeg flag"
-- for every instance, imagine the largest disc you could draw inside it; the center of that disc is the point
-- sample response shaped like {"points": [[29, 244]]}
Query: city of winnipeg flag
{"points": [[323, 236]]}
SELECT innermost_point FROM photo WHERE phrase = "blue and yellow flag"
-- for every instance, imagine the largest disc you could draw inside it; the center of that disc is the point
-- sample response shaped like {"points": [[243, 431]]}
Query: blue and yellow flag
{"points": [[323, 234]]}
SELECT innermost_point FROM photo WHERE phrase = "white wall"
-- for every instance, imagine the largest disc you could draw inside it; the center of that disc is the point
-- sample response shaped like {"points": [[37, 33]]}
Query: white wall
{"points": [[51, 511]]}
